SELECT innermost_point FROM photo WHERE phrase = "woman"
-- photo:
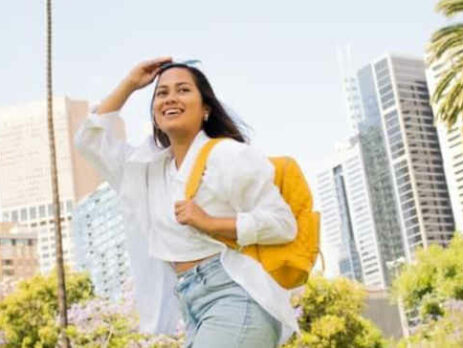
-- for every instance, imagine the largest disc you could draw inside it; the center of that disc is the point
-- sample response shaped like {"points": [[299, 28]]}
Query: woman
{"points": [[226, 298]]}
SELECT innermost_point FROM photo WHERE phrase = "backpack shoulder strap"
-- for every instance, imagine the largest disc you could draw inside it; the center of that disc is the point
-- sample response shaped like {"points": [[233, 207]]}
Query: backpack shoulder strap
{"points": [[197, 171]]}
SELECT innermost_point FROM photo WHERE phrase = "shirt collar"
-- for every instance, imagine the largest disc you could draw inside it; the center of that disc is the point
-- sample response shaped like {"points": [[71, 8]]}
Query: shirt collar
{"points": [[148, 151], [183, 172]]}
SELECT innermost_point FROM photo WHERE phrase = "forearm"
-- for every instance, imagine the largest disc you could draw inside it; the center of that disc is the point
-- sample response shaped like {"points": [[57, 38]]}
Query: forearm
{"points": [[116, 100], [222, 227]]}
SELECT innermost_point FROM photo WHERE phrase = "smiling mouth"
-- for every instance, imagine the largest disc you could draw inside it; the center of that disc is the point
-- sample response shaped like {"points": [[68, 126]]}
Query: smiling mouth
{"points": [[172, 112]]}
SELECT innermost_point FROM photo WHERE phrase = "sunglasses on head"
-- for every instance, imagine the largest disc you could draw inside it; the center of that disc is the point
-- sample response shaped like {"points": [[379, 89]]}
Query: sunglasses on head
{"points": [[188, 62]]}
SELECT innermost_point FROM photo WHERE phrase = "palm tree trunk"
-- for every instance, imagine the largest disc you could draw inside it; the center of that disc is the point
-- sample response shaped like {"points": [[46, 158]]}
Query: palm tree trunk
{"points": [[63, 341]]}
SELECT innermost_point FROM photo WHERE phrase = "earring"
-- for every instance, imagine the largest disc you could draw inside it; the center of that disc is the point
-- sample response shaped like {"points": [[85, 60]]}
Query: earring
{"points": [[206, 116]]}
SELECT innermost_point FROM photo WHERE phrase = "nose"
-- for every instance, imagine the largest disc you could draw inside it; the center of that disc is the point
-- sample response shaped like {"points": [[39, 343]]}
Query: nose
{"points": [[171, 98]]}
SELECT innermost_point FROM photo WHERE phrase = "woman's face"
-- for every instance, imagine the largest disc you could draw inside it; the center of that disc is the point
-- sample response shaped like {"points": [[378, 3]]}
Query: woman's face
{"points": [[178, 106]]}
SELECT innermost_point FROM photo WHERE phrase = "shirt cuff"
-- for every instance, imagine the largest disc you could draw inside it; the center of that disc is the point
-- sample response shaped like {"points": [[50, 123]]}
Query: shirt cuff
{"points": [[246, 231]]}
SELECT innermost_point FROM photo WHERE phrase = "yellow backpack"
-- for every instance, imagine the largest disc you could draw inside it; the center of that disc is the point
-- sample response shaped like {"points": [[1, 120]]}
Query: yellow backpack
{"points": [[289, 263]]}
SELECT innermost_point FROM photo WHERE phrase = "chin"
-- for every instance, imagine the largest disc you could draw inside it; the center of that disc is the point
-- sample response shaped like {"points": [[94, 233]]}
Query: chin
{"points": [[175, 130]]}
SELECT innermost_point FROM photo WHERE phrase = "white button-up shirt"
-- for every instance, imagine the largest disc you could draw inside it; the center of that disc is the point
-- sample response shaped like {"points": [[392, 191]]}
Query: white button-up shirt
{"points": [[238, 182]]}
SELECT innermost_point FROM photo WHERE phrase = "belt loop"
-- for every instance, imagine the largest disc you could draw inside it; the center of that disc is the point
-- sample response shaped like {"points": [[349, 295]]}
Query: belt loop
{"points": [[200, 274]]}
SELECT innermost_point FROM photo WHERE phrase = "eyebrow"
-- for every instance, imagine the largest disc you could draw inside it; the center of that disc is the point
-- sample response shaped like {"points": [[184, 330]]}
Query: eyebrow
{"points": [[177, 84]]}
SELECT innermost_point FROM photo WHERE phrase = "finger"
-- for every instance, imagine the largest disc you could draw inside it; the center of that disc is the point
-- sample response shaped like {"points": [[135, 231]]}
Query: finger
{"points": [[179, 211], [181, 206], [180, 203], [182, 219]]}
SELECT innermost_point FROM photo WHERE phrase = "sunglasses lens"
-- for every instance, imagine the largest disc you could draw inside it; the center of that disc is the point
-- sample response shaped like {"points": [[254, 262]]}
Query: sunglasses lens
{"points": [[191, 62]]}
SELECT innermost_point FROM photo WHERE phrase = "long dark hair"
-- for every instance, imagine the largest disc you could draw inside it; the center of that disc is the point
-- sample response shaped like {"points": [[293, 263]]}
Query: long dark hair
{"points": [[219, 123]]}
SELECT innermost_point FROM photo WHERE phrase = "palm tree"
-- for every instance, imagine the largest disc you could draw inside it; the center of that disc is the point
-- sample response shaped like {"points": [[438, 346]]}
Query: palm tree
{"points": [[446, 47], [54, 180]]}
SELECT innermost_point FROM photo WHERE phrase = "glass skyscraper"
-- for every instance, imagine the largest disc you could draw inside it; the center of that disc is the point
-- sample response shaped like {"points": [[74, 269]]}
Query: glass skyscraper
{"points": [[99, 234], [386, 190]]}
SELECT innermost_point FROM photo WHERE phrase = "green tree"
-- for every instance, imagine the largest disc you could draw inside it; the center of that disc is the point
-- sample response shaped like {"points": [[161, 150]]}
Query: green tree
{"points": [[28, 316], [447, 46], [433, 285], [330, 316], [435, 277]]}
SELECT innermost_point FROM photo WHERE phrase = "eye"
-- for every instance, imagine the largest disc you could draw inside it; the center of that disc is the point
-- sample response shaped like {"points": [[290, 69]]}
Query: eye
{"points": [[161, 93], [183, 89]]}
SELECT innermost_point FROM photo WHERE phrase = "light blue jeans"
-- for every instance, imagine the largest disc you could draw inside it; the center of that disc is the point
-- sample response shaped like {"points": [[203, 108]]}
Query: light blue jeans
{"points": [[220, 313]]}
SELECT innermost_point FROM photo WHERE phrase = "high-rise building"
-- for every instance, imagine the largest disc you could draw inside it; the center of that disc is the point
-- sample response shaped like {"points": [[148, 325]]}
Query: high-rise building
{"points": [[378, 173], [18, 255], [99, 233], [350, 87], [355, 113], [369, 200], [424, 209], [395, 189], [25, 184], [451, 143], [336, 224], [362, 233]]}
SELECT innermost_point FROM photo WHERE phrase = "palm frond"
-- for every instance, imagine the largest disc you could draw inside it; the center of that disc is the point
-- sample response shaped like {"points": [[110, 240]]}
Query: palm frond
{"points": [[446, 41], [443, 85], [450, 106], [445, 49], [450, 29], [449, 7]]}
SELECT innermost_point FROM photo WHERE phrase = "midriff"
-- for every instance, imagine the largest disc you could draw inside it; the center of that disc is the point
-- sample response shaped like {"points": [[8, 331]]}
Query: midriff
{"points": [[183, 266]]}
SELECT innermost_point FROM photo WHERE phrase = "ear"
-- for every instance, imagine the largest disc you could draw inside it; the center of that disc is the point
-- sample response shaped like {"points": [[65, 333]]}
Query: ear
{"points": [[207, 108]]}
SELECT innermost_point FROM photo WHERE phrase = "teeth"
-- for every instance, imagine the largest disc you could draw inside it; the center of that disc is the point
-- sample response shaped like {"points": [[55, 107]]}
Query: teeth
{"points": [[172, 112]]}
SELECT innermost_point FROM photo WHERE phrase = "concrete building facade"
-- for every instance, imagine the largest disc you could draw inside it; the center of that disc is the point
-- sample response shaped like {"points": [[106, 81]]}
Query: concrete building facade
{"points": [[25, 183], [413, 149], [18, 256]]}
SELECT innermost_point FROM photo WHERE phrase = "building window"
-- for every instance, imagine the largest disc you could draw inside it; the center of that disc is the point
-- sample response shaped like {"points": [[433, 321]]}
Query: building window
{"points": [[69, 206], [5, 241], [33, 212], [42, 211]]}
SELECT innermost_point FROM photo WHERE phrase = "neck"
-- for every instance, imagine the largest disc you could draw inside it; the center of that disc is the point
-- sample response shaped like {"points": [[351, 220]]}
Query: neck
{"points": [[180, 148]]}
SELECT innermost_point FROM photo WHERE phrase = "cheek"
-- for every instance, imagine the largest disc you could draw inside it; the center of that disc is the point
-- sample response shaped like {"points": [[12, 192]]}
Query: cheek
{"points": [[156, 113], [195, 107]]}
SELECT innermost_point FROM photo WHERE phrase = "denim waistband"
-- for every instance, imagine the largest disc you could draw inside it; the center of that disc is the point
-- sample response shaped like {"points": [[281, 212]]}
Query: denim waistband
{"points": [[201, 267]]}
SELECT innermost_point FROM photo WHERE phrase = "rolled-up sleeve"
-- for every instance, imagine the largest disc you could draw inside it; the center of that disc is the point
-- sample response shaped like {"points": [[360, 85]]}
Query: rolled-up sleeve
{"points": [[98, 141], [263, 217]]}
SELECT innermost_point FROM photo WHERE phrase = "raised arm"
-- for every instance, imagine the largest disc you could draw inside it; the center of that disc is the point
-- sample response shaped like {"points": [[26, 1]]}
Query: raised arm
{"points": [[140, 76], [98, 138]]}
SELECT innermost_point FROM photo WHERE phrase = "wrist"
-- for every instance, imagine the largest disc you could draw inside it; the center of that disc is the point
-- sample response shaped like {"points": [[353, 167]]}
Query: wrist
{"points": [[207, 225], [128, 86]]}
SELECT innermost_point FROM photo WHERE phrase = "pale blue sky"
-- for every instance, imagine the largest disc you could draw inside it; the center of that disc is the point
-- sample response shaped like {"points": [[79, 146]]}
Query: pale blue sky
{"points": [[273, 62]]}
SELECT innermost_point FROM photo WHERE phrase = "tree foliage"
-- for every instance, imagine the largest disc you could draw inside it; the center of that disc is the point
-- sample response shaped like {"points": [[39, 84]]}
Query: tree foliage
{"points": [[29, 317], [435, 277], [433, 285], [330, 316]]}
